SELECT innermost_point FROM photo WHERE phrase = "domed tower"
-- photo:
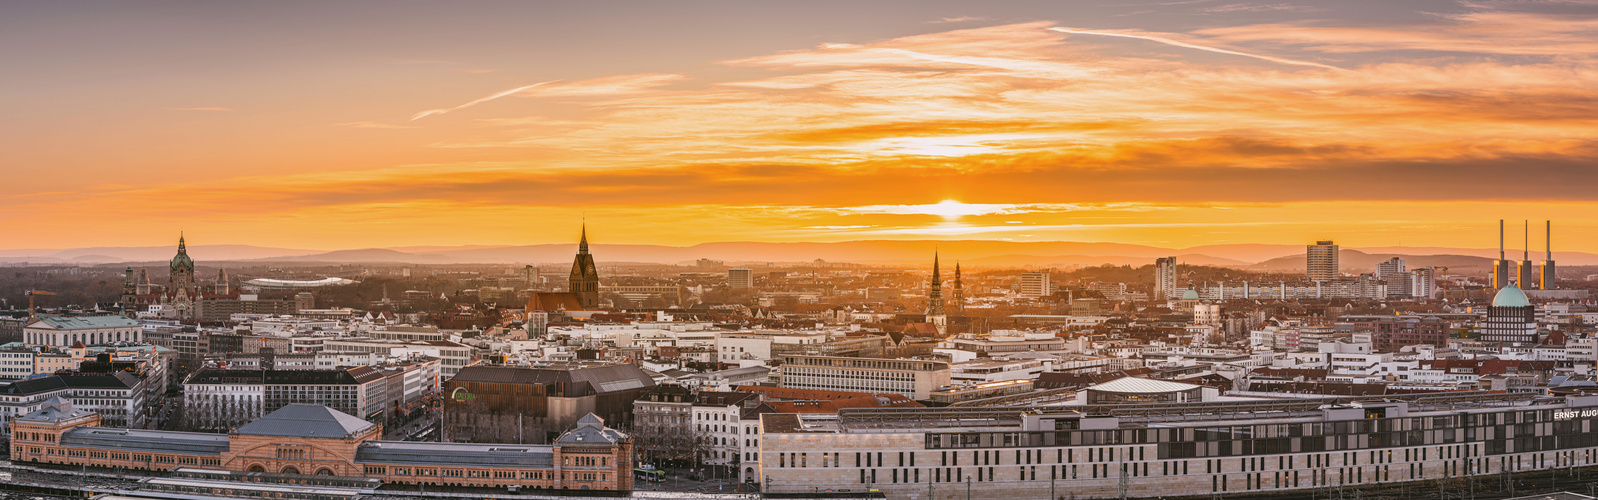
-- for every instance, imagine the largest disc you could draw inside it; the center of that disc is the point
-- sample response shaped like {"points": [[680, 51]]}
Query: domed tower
{"points": [[1511, 319], [182, 267], [584, 277], [181, 292]]}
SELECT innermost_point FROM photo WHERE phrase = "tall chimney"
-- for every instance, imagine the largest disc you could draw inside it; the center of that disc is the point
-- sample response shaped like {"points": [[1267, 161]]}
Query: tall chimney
{"points": [[1548, 244], [1501, 239], [1525, 246]]}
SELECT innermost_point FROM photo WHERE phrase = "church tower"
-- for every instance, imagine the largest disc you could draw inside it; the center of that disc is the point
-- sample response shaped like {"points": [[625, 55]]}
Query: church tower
{"points": [[959, 292], [935, 300], [584, 277]]}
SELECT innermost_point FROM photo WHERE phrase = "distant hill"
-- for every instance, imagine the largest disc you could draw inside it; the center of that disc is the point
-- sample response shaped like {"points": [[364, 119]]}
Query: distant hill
{"points": [[1355, 261], [148, 254], [980, 253], [1036, 261], [367, 255]]}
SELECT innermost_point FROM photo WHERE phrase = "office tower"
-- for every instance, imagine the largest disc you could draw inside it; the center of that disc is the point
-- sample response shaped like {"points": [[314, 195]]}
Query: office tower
{"points": [[584, 277], [1511, 319], [1398, 280], [1165, 278], [1500, 272], [1320, 261], [1423, 283], [1526, 274], [740, 278], [1388, 267], [1036, 285], [1545, 273]]}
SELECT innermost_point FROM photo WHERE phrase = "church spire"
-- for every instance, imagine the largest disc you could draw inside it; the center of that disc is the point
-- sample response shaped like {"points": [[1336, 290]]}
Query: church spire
{"points": [[959, 291], [935, 292], [182, 247], [582, 246]]}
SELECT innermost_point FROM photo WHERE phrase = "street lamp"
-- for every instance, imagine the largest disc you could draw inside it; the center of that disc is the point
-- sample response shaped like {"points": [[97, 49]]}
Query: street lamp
{"points": [[968, 487]]}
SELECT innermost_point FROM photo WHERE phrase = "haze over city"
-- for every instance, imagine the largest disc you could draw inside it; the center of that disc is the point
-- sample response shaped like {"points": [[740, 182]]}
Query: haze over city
{"points": [[353, 125]]}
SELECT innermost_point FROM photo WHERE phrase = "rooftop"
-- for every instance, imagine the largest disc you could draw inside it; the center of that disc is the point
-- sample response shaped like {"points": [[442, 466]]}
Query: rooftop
{"points": [[1141, 385], [1510, 296], [84, 322], [146, 440], [497, 455], [301, 420]]}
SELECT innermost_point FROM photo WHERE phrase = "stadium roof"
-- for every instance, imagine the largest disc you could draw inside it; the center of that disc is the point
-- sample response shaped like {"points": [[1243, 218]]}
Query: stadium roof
{"points": [[277, 283], [1141, 385]]}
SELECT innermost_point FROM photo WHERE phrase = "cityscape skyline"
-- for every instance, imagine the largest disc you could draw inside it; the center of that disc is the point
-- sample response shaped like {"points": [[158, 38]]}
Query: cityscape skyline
{"points": [[1170, 125]]}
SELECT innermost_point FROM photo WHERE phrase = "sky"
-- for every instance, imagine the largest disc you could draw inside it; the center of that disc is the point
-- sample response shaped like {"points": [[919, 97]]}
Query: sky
{"points": [[329, 125]]}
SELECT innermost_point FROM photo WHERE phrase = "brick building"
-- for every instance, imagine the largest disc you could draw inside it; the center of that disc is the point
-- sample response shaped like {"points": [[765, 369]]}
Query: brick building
{"points": [[312, 439]]}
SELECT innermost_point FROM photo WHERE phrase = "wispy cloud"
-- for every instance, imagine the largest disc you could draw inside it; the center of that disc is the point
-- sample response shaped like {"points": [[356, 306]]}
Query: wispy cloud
{"points": [[607, 86], [374, 125], [1218, 50], [1484, 32], [960, 19], [481, 100], [1254, 7]]}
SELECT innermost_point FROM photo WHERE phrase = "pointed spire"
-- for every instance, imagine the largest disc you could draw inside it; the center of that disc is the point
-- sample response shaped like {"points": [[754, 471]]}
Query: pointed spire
{"points": [[582, 246], [936, 276], [182, 247]]}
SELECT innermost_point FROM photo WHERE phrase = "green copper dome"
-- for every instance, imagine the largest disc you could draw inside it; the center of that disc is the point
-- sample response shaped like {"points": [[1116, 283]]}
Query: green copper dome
{"points": [[182, 260], [1190, 294], [1511, 296]]}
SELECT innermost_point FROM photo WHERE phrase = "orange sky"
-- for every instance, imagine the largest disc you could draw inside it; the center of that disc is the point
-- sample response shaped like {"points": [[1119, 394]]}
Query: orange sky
{"points": [[1175, 125]]}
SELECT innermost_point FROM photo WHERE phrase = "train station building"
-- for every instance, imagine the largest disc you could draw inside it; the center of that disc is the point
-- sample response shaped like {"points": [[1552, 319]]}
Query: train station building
{"points": [[314, 439]]}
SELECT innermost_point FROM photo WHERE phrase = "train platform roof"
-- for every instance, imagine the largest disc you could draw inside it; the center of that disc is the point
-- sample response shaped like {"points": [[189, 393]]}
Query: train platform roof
{"points": [[141, 440], [455, 454]]}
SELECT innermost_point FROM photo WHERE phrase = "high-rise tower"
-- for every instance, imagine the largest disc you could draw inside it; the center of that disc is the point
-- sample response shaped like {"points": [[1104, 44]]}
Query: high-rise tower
{"points": [[1545, 273], [1320, 261], [935, 299], [1500, 272], [1165, 278], [584, 280]]}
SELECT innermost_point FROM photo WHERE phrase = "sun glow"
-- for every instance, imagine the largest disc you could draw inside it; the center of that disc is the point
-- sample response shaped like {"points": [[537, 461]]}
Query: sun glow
{"points": [[950, 209]]}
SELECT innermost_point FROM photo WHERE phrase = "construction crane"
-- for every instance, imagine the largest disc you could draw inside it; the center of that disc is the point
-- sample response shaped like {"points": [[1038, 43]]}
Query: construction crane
{"points": [[30, 294]]}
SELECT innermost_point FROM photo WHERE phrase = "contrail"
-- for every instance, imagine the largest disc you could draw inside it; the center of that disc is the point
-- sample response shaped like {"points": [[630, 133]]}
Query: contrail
{"points": [[1168, 41], [496, 95]]}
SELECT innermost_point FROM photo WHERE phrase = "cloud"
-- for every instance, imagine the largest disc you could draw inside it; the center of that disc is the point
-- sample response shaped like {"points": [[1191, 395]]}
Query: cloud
{"points": [[1168, 41], [1484, 32], [207, 108], [615, 85], [1247, 7], [481, 100], [373, 125], [960, 19], [1017, 122]]}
